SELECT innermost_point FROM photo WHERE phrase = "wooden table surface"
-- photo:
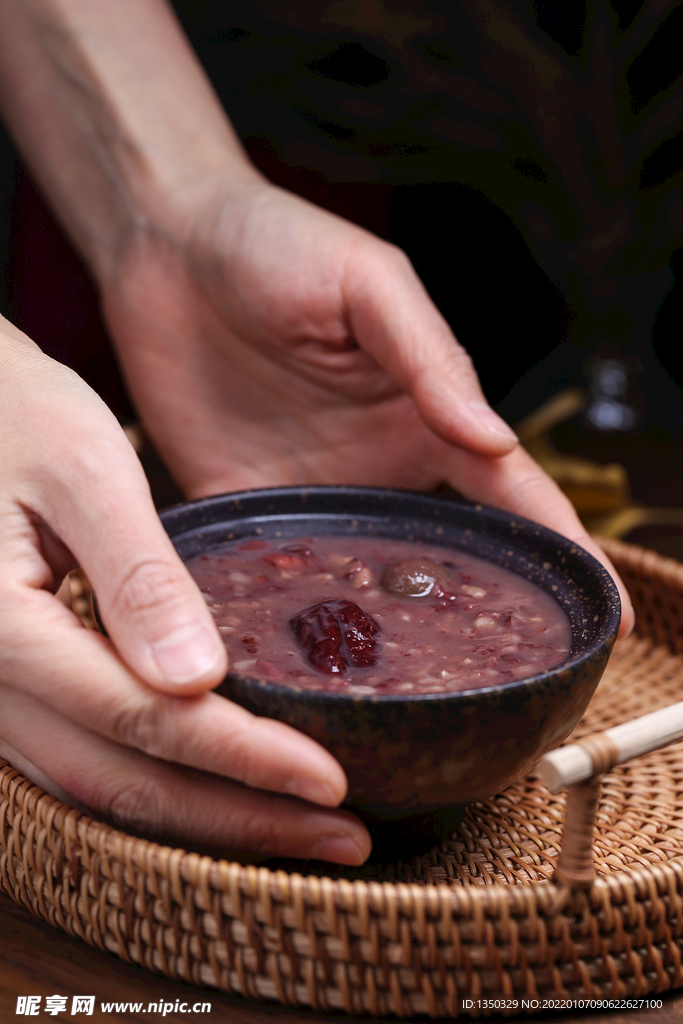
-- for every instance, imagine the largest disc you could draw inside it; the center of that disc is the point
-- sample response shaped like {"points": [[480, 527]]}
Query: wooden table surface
{"points": [[37, 959]]}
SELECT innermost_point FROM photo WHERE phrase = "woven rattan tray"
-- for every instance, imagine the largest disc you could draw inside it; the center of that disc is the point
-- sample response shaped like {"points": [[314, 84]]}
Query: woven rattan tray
{"points": [[477, 917]]}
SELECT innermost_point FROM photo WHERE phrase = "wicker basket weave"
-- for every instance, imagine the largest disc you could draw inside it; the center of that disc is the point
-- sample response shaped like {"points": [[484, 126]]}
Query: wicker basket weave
{"points": [[477, 917]]}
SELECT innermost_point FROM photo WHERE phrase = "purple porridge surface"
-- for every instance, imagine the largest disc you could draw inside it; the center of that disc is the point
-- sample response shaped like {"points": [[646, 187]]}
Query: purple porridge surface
{"points": [[488, 627]]}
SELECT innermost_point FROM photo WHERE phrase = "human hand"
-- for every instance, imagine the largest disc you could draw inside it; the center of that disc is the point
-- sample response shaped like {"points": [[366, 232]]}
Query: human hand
{"points": [[126, 725], [264, 340], [267, 342]]}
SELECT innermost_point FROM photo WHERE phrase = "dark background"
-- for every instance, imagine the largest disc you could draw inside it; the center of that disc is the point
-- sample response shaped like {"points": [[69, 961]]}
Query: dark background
{"points": [[471, 257]]}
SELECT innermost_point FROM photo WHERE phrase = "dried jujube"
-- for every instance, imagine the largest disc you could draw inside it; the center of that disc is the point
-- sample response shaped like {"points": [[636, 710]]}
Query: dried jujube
{"points": [[337, 635]]}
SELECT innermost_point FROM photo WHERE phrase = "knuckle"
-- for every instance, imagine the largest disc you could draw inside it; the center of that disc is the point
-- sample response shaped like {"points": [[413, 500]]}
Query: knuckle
{"points": [[144, 725], [390, 260], [537, 496], [148, 585], [246, 750], [461, 360], [246, 766], [396, 257], [87, 466], [455, 374], [261, 831], [246, 757], [142, 804], [373, 255]]}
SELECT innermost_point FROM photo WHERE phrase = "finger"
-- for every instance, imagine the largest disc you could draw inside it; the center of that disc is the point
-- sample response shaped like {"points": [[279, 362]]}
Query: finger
{"points": [[394, 320], [517, 483], [76, 672], [101, 509], [162, 800]]}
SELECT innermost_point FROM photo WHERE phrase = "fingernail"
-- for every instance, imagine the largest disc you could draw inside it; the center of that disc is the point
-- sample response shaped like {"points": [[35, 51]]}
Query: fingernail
{"points": [[339, 849], [491, 420], [186, 654], [314, 790]]}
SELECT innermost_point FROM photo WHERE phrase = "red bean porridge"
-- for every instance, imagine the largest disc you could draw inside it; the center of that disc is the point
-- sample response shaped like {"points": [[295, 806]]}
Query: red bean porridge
{"points": [[366, 615]]}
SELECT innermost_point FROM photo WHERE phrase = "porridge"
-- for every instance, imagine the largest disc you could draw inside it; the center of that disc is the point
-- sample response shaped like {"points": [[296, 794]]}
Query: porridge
{"points": [[375, 615]]}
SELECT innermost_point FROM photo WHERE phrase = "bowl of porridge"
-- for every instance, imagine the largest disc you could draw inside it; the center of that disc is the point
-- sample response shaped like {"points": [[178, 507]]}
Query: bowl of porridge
{"points": [[437, 649]]}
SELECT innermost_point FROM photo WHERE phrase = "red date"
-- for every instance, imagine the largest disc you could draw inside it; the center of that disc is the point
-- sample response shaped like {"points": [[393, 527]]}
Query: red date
{"points": [[337, 635]]}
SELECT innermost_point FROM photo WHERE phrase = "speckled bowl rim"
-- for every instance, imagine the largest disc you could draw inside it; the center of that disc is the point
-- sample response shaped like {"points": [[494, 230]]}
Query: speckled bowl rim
{"points": [[604, 640]]}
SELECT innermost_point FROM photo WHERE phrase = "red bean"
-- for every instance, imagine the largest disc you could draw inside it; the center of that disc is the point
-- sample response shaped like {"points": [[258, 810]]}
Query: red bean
{"points": [[284, 561]]}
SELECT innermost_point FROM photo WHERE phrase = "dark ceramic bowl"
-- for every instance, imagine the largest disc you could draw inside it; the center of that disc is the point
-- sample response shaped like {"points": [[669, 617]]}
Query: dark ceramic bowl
{"points": [[413, 762]]}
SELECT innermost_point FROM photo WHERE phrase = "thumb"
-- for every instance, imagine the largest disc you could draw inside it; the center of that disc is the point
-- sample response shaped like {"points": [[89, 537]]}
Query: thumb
{"points": [[394, 320], [154, 612]]}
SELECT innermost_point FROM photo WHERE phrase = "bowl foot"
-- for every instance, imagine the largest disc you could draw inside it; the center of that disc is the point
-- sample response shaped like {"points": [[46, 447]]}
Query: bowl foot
{"points": [[404, 838]]}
